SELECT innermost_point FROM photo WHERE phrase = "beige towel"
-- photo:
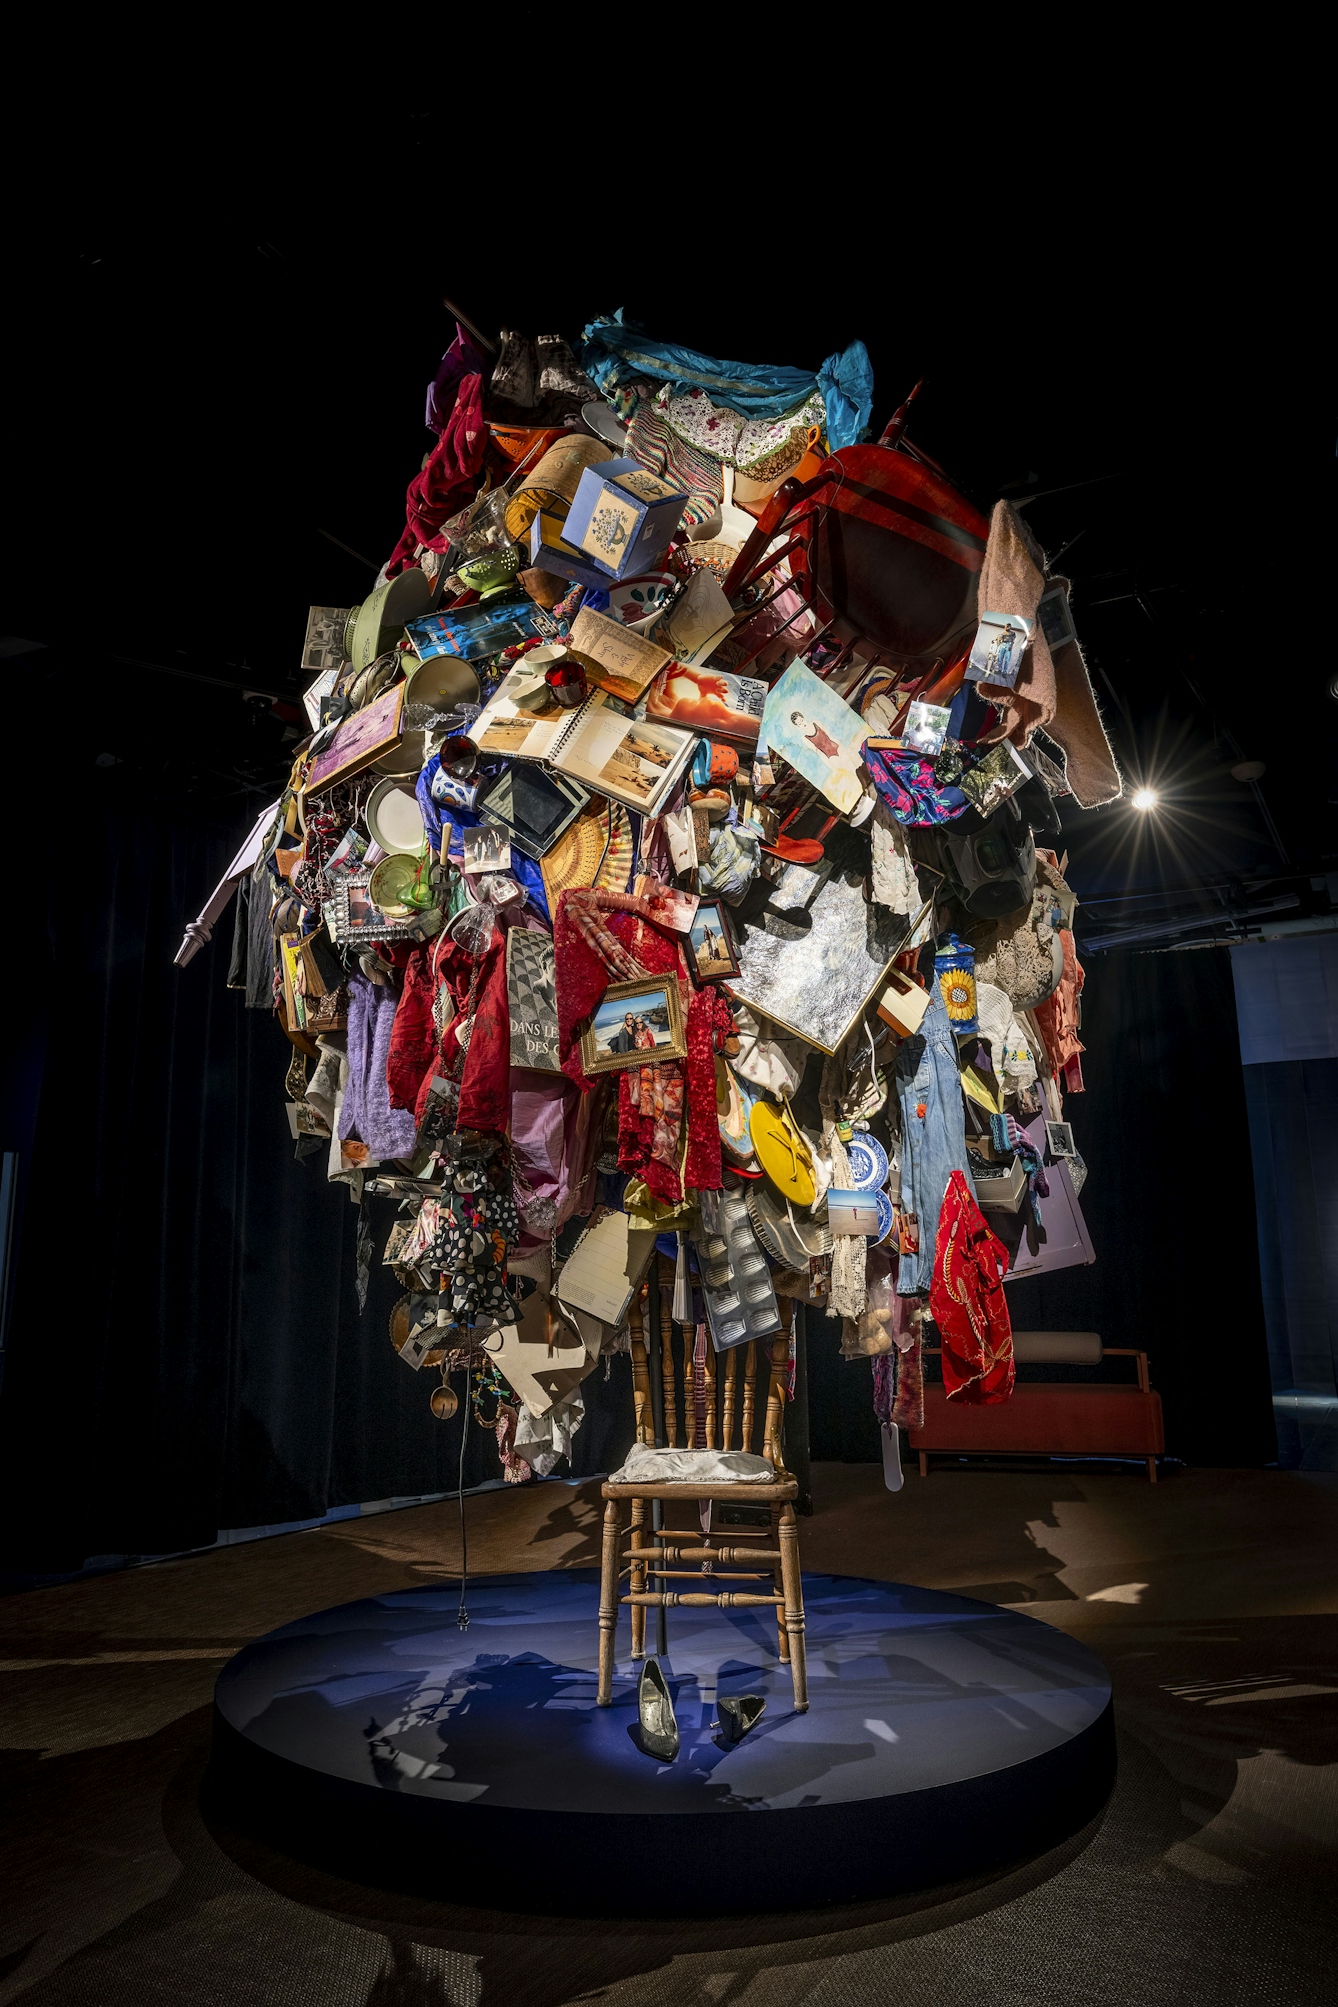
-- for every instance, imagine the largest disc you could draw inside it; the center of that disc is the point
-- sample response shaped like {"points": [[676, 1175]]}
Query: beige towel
{"points": [[1053, 692]]}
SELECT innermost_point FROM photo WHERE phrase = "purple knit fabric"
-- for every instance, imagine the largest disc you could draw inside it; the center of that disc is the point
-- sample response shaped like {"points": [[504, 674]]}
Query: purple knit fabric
{"points": [[367, 1113]]}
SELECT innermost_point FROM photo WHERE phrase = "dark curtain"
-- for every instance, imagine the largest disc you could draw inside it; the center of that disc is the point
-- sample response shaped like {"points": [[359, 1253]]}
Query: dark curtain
{"points": [[186, 1351], [1169, 1203], [1294, 1143]]}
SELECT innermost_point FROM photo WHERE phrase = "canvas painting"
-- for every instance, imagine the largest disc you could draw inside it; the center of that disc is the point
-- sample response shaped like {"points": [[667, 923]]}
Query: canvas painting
{"points": [[809, 726]]}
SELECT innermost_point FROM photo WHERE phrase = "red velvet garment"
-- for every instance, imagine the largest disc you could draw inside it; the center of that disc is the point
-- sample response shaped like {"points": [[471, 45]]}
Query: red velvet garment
{"points": [[967, 1304], [449, 479], [582, 979], [413, 1038], [485, 1084]]}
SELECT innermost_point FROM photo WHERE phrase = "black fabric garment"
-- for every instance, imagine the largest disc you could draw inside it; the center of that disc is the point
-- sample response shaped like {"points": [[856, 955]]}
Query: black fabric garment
{"points": [[251, 967], [1169, 1202], [186, 1351]]}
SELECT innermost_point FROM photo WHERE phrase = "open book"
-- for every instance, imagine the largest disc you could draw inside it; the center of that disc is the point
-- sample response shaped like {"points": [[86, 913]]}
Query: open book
{"points": [[634, 761]]}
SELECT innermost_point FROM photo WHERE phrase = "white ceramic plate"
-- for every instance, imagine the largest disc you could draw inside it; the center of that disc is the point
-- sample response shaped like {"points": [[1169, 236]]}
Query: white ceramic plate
{"points": [[394, 820]]}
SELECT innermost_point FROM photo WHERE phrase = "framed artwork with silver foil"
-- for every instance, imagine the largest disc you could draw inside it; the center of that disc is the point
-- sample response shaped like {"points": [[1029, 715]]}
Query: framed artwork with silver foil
{"points": [[816, 965]]}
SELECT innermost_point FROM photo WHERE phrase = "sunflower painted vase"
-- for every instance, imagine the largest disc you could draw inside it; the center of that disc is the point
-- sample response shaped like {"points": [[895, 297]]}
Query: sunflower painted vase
{"points": [[955, 974]]}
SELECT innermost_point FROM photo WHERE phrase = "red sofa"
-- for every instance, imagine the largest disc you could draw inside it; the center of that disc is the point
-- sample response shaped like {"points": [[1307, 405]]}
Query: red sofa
{"points": [[1080, 1418]]}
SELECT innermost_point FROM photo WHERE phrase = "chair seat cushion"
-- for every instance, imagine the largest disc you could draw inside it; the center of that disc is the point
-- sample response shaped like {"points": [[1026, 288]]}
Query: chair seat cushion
{"points": [[783, 1489], [647, 1465]]}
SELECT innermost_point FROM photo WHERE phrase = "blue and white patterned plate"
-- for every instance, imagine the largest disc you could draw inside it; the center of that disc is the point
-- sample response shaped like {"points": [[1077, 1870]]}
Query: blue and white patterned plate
{"points": [[868, 1163]]}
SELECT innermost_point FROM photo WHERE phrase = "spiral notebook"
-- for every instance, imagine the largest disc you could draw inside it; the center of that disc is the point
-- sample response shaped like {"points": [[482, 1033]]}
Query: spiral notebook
{"points": [[636, 761]]}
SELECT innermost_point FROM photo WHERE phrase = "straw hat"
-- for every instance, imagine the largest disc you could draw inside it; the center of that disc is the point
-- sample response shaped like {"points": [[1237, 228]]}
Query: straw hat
{"points": [[551, 486]]}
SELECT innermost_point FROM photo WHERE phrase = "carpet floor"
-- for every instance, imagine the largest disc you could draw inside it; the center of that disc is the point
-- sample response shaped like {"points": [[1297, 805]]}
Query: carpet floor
{"points": [[1210, 1876]]}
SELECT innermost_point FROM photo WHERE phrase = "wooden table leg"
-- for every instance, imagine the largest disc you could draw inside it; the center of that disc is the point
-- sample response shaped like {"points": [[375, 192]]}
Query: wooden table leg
{"points": [[608, 1600]]}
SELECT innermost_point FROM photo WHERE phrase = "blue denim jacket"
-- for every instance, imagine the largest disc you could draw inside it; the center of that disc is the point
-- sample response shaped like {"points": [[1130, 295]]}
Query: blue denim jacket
{"points": [[933, 1135]]}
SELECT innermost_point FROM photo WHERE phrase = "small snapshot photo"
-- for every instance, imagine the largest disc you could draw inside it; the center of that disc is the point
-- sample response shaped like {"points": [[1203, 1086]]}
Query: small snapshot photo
{"points": [[1059, 1135], [926, 728], [362, 912], [634, 1024], [1055, 618], [853, 1212], [997, 651], [713, 954], [487, 848], [994, 778]]}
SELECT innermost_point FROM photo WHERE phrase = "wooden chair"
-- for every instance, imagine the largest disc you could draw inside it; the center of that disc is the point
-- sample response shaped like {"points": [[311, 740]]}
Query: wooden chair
{"points": [[719, 1400], [883, 550]]}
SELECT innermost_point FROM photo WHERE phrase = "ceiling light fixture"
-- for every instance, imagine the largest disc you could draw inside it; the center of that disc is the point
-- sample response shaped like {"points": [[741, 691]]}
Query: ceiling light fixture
{"points": [[1144, 798]]}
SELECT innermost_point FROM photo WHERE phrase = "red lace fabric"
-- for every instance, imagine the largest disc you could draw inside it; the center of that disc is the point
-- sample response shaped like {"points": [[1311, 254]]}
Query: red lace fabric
{"points": [[967, 1304]]}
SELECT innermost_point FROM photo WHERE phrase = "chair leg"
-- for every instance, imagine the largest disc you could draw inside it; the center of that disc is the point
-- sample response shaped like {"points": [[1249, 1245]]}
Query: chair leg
{"points": [[924, 1463], [638, 1581], [782, 1633], [1151, 1463], [608, 1600], [794, 1605]]}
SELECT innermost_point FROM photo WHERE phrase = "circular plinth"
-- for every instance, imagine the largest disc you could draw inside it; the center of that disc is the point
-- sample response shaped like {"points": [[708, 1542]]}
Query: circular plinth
{"points": [[943, 1738]]}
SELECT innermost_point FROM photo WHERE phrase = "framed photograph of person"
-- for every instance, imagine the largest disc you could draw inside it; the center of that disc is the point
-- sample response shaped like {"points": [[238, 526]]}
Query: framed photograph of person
{"points": [[354, 920], [1059, 1136], [714, 955], [634, 1024]]}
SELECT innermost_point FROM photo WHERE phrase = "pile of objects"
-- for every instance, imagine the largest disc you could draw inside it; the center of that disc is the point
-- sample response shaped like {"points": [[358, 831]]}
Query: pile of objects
{"points": [[673, 859]]}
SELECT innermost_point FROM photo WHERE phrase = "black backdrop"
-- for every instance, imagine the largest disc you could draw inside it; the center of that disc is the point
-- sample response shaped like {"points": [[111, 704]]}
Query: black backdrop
{"points": [[186, 1350]]}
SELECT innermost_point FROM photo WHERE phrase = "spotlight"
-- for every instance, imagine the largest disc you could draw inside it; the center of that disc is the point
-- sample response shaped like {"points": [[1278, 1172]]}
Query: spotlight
{"points": [[1248, 770], [1145, 798]]}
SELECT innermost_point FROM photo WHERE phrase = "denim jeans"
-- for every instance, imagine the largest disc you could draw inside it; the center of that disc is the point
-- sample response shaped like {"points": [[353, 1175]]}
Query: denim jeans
{"points": [[933, 1135]]}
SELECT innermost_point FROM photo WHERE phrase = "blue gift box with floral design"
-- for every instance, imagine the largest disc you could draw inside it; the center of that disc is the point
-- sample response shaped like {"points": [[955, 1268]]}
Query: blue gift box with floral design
{"points": [[622, 517]]}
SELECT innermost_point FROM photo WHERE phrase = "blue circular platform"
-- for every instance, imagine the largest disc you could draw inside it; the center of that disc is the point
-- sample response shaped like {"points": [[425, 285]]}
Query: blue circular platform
{"points": [[943, 1738]]}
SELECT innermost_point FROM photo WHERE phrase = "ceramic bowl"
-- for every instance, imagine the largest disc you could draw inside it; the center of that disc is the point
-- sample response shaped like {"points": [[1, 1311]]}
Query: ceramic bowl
{"points": [[639, 601]]}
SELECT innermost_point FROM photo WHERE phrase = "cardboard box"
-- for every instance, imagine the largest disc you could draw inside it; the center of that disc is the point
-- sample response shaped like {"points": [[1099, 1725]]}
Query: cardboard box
{"points": [[903, 1004], [623, 517], [549, 551]]}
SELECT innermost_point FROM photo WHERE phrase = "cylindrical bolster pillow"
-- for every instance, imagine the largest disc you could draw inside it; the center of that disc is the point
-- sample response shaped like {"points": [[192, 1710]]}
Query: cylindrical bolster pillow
{"points": [[1057, 1348]]}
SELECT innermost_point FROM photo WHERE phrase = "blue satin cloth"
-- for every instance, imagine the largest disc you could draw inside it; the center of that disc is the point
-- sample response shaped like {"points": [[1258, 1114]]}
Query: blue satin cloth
{"points": [[614, 351]]}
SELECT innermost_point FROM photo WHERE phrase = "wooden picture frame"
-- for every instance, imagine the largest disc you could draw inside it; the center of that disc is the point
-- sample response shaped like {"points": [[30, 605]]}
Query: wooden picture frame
{"points": [[652, 1003], [715, 953], [359, 741]]}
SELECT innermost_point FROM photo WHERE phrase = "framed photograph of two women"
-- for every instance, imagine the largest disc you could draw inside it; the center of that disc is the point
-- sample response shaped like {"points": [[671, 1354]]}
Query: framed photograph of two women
{"points": [[635, 1024]]}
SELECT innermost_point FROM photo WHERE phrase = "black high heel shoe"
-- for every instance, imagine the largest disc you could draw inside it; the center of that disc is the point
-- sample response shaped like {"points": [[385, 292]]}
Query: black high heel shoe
{"points": [[659, 1725], [738, 1713]]}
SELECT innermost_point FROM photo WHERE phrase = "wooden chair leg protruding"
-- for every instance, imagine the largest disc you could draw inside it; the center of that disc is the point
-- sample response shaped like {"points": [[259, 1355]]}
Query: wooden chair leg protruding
{"points": [[638, 1582], [608, 1600], [782, 1633], [794, 1605]]}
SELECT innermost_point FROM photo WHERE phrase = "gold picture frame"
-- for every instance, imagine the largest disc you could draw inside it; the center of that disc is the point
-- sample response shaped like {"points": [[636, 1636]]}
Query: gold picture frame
{"points": [[653, 1007]]}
